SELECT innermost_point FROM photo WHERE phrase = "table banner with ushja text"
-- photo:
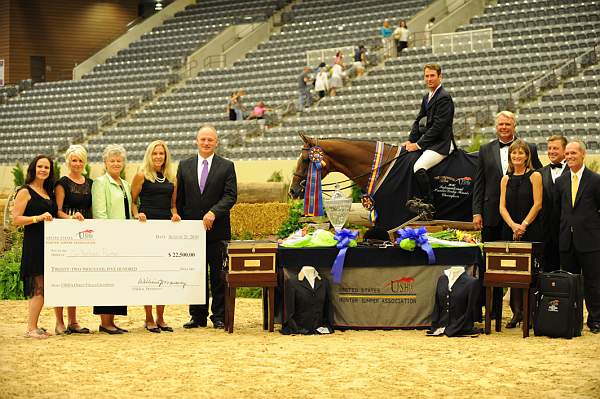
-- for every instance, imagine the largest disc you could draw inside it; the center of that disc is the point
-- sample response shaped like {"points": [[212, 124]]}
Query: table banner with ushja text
{"points": [[124, 262]]}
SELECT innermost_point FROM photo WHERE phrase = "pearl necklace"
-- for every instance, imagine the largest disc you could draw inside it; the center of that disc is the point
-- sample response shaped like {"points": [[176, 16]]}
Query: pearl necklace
{"points": [[160, 179]]}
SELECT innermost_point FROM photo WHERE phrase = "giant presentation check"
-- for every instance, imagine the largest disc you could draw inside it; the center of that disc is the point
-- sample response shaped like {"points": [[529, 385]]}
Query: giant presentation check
{"points": [[124, 262]]}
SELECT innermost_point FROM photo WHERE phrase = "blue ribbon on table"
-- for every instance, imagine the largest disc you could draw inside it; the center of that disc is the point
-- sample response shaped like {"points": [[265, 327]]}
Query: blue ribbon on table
{"points": [[419, 236], [344, 237]]}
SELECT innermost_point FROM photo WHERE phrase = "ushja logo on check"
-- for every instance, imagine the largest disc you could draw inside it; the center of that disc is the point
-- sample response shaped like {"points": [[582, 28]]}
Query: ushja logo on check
{"points": [[87, 234], [401, 285]]}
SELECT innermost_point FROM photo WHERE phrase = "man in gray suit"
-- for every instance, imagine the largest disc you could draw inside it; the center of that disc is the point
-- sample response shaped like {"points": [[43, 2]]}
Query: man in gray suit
{"points": [[207, 190]]}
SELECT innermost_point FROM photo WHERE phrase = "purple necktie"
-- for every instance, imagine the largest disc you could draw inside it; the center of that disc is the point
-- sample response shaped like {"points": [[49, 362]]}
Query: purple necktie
{"points": [[203, 175]]}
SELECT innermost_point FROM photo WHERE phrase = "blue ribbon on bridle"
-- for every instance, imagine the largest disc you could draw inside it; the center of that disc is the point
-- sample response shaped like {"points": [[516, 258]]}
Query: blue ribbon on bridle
{"points": [[344, 237], [419, 236]]}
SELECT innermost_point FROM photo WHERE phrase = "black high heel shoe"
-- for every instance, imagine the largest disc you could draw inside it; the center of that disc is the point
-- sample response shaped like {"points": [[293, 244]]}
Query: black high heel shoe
{"points": [[515, 321]]}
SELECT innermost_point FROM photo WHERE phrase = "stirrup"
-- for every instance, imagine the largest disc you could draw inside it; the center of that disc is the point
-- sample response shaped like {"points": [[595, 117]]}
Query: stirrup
{"points": [[424, 209]]}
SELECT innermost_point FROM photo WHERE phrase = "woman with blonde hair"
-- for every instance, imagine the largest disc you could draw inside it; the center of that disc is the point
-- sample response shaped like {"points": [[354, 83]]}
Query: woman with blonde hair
{"points": [[521, 195], [155, 187], [73, 194], [111, 199]]}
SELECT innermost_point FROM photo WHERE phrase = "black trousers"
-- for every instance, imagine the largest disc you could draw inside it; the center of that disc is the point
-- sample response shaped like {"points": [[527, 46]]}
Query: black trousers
{"points": [[215, 257], [551, 253], [587, 263]]}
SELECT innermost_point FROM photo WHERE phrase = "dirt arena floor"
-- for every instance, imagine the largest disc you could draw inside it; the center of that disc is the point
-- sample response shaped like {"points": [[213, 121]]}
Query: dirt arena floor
{"points": [[250, 363]]}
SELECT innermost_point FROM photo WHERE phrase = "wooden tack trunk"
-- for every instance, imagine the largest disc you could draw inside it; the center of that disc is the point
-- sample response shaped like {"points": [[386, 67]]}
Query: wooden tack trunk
{"points": [[512, 260], [251, 257]]}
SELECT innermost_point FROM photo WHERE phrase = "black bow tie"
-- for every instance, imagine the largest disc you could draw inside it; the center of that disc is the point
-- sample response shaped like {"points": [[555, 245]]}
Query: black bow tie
{"points": [[502, 145], [556, 165]]}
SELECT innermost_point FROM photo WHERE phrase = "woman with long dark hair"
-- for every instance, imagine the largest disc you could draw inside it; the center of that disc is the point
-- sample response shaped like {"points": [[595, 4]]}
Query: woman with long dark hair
{"points": [[34, 204]]}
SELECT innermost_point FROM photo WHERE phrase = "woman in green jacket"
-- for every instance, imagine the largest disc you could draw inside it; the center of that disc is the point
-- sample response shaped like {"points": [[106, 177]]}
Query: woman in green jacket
{"points": [[111, 199]]}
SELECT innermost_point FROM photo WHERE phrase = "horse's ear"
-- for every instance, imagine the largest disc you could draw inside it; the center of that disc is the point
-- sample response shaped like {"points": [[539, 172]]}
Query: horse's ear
{"points": [[304, 138]]}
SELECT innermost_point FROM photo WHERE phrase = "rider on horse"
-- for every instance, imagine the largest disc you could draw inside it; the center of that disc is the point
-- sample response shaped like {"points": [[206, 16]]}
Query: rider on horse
{"points": [[434, 137]]}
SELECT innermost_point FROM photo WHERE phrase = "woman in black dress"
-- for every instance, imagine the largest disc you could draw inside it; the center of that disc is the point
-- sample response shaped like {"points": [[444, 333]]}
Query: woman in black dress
{"points": [[73, 194], [520, 203], [34, 204], [154, 186]]}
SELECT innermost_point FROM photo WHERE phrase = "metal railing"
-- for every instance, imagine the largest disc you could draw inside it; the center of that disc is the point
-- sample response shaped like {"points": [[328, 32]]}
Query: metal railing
{"points": [[552, 77], [315, 57], [472, 40]]}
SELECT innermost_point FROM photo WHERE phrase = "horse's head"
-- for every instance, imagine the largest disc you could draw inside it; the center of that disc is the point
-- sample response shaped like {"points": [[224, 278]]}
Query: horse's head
{"points": [[299, 179]]}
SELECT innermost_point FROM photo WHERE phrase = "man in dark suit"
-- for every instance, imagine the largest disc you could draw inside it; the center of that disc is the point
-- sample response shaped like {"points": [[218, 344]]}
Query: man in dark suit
{"points": [[435, 138], [206, 190], [550, 218], [492, 164], [578, 201]]}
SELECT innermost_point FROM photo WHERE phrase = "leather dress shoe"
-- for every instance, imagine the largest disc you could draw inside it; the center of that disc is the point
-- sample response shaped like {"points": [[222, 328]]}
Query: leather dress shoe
{"points": [[218, 324], [595, 328], [108, 331], [193, 323]]}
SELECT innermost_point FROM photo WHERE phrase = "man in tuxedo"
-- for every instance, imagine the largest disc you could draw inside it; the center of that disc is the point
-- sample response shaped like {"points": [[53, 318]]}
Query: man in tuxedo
{"points": [[578, 201], [207, 190], [492, 164], [435, 138], [550, 218]]}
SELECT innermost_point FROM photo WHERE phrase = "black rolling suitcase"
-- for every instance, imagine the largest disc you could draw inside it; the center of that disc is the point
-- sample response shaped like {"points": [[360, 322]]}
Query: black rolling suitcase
{"points": [[559, 310]]}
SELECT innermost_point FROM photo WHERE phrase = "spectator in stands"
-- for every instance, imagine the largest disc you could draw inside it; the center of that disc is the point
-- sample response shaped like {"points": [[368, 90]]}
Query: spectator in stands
{"points": [[259, 111], [154, 186], [435, 139], [238, 105], [34, 204], [230, 106], [387, 39], [521, 196], [427, 33], [401, 37], [73, 194], [337, 79], [551, 218], [304, 83], [111, 199], [360, 60], [322, 82], [578, 202], [339, 57]]}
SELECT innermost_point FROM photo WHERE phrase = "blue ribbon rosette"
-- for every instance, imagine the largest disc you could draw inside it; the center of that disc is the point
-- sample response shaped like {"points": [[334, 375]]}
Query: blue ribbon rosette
{"points": [[345, 238], [409, 238]]}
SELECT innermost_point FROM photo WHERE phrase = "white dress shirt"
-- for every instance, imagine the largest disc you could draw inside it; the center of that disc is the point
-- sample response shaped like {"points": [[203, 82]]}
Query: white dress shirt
{"points": [[504, 158], [555, 172]]}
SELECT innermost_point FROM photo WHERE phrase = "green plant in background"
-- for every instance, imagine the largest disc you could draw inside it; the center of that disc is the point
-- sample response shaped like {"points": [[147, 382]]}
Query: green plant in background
{"points": [[249, 292], [476, 144], [356, 193], [87, 170], [18, 175], [594, 166], [11, 286], [56, 170], [292, 223], [276, 176]]}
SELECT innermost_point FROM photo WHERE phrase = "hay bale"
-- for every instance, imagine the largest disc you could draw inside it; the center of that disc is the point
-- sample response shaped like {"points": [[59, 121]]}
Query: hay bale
{"points": [[257, 220], [261, 192]]}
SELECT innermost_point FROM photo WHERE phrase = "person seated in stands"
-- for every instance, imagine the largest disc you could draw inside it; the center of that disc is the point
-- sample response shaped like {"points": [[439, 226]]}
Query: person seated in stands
{"points": [[259, 111], [322, 81], [360, 60], [237, 105], [434, 138], [230, 106], [304, 82]]}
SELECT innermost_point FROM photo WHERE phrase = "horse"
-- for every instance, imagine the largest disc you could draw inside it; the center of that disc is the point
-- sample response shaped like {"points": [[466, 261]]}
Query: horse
{"points": [[452, 179]]}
